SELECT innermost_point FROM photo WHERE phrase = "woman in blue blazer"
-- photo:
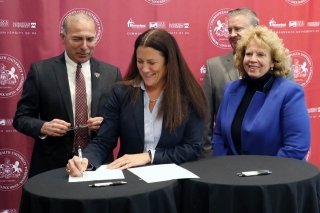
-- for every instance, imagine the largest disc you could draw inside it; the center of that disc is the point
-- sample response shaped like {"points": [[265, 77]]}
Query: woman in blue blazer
{"points": [[158, 111], [263, 113]]}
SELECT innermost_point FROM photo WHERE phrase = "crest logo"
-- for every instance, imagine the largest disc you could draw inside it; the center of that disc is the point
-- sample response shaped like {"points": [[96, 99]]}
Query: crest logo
{"points": [[12, 76], [99, 27], [297, 2], [13, 169], [302, 67], [218, 29], [157, 2]]}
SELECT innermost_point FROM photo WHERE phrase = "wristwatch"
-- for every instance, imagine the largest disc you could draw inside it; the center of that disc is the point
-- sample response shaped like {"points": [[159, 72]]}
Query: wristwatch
{"points": [[90, 167], [150, 156]]}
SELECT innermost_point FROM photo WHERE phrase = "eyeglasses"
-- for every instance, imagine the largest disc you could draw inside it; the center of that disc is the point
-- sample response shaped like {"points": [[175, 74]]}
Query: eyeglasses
{"points": [[72, 128]]}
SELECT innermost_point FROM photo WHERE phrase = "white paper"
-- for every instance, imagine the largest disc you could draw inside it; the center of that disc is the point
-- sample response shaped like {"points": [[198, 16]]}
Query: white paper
{"points": [[162, 172], [102, 173]]}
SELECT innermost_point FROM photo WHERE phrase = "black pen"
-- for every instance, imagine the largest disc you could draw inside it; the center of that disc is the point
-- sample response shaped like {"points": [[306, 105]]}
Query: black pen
{"points": [[116, 183]]}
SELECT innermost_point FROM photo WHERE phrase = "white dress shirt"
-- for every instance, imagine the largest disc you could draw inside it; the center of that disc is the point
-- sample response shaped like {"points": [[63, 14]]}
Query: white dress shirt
{"points": [[71, 69]]}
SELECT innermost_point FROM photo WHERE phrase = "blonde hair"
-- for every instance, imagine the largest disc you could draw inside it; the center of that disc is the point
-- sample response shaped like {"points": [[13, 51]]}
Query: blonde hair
{"points": [[264, 38]]}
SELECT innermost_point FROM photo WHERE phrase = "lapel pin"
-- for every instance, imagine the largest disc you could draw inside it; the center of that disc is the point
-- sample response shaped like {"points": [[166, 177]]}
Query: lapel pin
{"points": [[97, 74]]}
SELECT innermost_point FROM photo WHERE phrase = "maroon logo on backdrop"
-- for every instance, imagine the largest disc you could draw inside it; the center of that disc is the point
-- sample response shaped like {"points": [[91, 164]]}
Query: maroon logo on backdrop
{"points": [[314, 112], [13, 169], [157, 24], [99, 27], [132, 25], [157, 2], [4, 23], [297, 2], [273, 23], [12, 76], [8, 211], [6, 122], [302, 67], [218, 29], [203, 70], [6, 126]]}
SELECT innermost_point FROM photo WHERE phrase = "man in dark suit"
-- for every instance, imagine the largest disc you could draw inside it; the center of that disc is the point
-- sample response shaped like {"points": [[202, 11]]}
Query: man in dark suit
{"points": [[46, 110]]}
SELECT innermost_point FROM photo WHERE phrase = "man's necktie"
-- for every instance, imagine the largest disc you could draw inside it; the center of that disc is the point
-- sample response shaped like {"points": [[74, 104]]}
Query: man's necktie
{"points": [[81, 111]]}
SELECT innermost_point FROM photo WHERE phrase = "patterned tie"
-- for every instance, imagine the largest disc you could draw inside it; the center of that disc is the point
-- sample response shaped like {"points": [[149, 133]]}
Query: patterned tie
{"points": [[81, 111]]}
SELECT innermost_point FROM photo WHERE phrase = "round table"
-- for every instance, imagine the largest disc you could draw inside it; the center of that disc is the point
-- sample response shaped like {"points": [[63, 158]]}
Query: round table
{"points": [[293, 186], [51, 192]]}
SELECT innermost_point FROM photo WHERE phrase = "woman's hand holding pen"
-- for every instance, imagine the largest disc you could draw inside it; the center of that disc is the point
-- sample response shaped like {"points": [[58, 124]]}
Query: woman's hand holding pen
{"points": [[76, 166]]}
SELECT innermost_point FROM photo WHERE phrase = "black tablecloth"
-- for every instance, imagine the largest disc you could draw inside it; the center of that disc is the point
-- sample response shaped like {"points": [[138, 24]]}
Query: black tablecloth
{"points": [[292, 187], [51, 192]]}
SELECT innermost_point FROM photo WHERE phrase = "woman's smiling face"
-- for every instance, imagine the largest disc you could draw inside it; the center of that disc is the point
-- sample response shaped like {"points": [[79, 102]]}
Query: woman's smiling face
{"points": [[152, 68], [257, 60]]}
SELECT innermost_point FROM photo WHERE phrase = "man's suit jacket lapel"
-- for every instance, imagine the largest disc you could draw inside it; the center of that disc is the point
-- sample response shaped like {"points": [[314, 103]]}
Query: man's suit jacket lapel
{"points": [[95, 92], [60, 71], [232, 72], [138, 112]]}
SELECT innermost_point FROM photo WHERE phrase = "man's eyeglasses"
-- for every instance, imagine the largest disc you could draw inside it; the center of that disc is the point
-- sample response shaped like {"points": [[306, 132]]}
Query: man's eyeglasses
{"points": [[72, 128]]}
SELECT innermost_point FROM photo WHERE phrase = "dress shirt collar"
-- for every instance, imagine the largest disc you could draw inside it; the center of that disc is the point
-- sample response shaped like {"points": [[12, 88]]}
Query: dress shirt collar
{"points": [[73, 64]]}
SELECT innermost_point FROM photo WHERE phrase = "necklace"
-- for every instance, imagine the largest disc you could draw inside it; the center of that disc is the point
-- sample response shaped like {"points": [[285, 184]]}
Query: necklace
{"points": [[153, 100]]}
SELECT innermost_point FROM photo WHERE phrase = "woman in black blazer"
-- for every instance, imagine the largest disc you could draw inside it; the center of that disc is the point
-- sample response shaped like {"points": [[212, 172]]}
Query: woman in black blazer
{"points": [[158, 111]]}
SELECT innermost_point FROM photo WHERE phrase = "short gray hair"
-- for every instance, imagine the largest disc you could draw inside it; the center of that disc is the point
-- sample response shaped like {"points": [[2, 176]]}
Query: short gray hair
{"points": [[250, 14], [74, 17]]}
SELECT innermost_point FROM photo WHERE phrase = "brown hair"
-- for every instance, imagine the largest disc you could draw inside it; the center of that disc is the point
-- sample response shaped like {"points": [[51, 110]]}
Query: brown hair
{"points": [[181, 88]]}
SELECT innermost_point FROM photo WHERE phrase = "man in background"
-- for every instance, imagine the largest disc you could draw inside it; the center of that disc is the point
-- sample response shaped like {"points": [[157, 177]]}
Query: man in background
{"points": [[221, 70], [48, 109]]}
